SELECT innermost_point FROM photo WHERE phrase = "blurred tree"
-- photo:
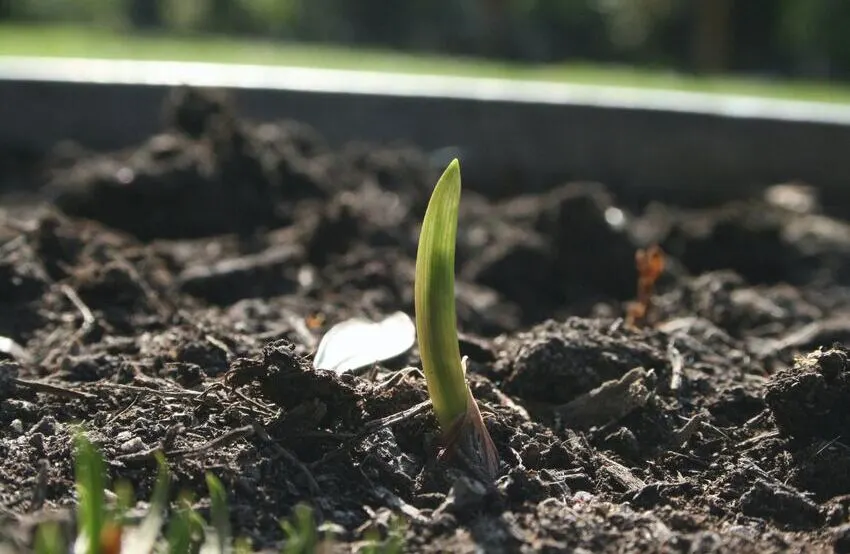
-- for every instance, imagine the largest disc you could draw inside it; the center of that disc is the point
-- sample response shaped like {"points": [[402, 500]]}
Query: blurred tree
{"points": [[711, 39], [145, 14], [807, 37], [816, 31], [379, 21], [228, 16]]}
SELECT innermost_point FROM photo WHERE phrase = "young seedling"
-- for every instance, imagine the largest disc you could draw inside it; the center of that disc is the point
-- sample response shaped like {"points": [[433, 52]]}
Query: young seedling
{"points": [[95, 532], [436, 326]]}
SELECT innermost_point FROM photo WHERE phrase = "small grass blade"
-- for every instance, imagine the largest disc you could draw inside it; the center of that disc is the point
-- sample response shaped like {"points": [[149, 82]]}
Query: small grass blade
{"points": [[90, 474], [302, 535], [49, 540], [143, 539], [183, 528], [220, 515]]}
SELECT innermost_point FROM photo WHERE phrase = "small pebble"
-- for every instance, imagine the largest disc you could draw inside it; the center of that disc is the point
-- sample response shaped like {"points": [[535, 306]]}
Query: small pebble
{"points": [[46, 426], [582, 497], [16, 427], [466, 495], [133, 445], [36, 440], [17, 407]]}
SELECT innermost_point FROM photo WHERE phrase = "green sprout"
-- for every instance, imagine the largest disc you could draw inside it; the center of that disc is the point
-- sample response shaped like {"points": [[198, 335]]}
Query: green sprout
{"points": [[394, 542], [92, 514], [303, 535], [220, 516], [49, 540], [105, 529], [436, 327]]}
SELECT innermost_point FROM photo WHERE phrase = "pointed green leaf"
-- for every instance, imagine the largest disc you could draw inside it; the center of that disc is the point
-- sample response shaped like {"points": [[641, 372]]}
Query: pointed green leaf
{"points": [[90, 478], [220, 516], [48, 539], [436, 322], [142, 539], [183, 526]]}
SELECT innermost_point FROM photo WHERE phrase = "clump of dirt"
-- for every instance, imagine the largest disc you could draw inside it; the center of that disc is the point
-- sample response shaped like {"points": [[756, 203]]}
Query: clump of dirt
{"points": [[812, 399], [169, 298]]}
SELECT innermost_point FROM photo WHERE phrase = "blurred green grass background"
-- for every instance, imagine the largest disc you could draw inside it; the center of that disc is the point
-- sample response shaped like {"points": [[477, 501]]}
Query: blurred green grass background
{"points": [[73, 41]]}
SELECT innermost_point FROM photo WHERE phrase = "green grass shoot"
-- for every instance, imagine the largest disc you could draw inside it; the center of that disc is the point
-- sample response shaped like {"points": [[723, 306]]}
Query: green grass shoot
{"points": [[436, 328], [436, 320], [220, 517], [90, 478]]}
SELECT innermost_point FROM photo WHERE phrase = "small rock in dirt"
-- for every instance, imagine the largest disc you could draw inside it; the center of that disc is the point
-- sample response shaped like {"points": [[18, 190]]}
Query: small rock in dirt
{"points": [[287, 380], [45, 426], [812, 399], [210, 357], [523, 485], [17, 427], [609, 402], [624, 443], [36, 440], [188, 375], [133, 445], [783, 505], [13, 408], [794, 197], [579, 482], [582, 497], [465, 497]]}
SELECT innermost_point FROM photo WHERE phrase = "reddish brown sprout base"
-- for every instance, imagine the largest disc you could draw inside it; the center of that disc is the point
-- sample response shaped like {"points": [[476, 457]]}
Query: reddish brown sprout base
{"points": [[650, 265]]}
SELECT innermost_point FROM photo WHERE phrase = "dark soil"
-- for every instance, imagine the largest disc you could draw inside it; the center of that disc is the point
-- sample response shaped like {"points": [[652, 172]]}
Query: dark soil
{"points": [[172, 296]]}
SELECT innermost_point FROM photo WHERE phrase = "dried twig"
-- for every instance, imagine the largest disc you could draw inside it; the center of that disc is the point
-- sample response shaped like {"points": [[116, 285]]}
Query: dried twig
{"points": [[123, 410], [397, 377], [56, 390], [219, 344], [690, 428], [164, 308], [227, 438], [621, 474], [608, 402], [222, 440], [677, 364], [89, 320], [184, 393]]}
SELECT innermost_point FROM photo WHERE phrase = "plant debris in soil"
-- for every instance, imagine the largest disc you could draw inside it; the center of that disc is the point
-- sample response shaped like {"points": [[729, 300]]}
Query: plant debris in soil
{"points": [[170, 297]]}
